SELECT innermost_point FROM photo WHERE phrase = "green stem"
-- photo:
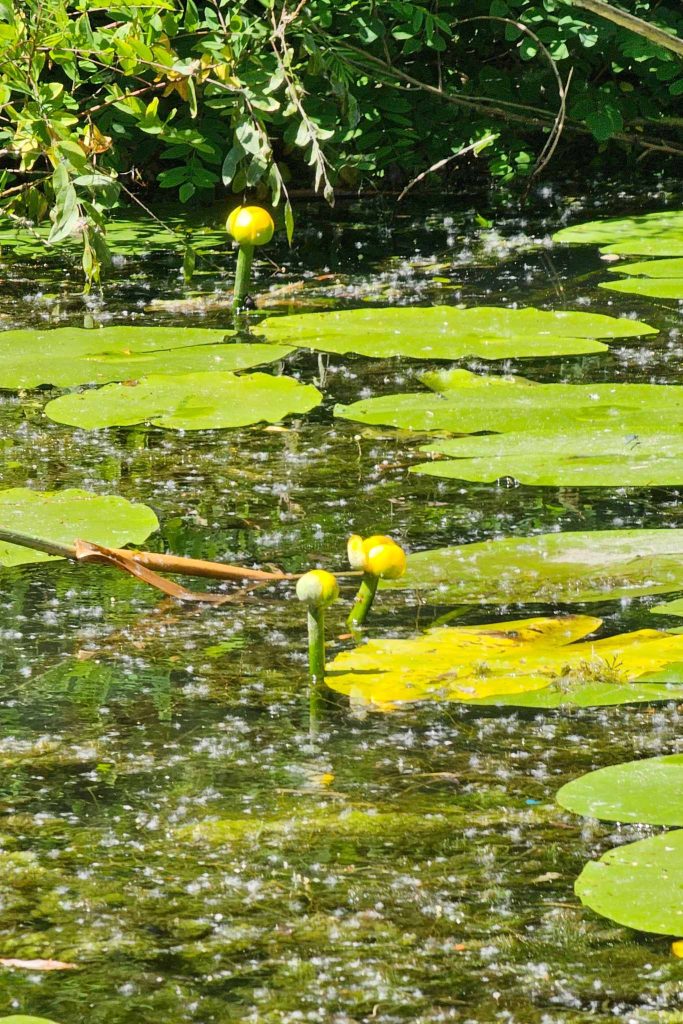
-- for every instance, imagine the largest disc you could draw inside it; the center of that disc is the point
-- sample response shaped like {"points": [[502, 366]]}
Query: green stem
{"points": [[316, 644], [362, 602], [242, 275]]}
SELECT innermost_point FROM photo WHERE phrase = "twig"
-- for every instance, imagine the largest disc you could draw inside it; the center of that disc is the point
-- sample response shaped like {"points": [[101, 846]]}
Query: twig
{"points": [[631, 23], [442, 163]]}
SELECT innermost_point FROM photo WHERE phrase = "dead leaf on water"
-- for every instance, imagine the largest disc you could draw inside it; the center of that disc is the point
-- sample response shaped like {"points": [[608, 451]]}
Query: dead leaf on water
{"points": [[37, 965]]}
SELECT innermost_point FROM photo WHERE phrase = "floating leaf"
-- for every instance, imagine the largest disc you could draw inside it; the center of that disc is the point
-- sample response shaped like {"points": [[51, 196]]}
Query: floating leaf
{"points": [[639, 885], [651, 268], [22, 1019], [65, 516], [569, 456], [465, 406], [669, 607], [578, 692], [652, 234], [649, 791], [70, 355], [654, 288], [190, 401], [468, 663], [445, 332], [553, 567]]}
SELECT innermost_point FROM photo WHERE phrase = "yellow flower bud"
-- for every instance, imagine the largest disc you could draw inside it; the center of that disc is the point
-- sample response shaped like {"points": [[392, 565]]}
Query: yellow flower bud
{"points": [[317, 588], [250, 225], [354, 549], [384, 558]]}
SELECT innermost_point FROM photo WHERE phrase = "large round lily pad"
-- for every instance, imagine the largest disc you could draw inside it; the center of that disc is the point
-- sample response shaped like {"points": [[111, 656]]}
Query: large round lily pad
{"points": [[69, 356], [554, 567], [569, 456], [652, 234], [465, 407], [649, 791], [190, 401], [502, 661], [445, 332], [639, 885], [69, 515]]}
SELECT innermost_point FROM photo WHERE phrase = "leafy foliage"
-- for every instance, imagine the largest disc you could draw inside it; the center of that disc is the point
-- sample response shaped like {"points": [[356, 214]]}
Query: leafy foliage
{"points": [[96, 100]]}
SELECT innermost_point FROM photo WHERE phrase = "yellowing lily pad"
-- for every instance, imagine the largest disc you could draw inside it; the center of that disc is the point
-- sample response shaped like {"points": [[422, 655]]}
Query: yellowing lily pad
{"points": [[65, 516], [554, 567], [639, 885], [468, 663], [649, 791], [445, 332], [567, 457], [652, 234], [191, 401], [69, 356]]}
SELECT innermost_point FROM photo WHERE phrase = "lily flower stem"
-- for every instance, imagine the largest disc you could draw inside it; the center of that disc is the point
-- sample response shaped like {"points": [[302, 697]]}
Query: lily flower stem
{"points": [[363, 601], [316, 644], [242, 275]]}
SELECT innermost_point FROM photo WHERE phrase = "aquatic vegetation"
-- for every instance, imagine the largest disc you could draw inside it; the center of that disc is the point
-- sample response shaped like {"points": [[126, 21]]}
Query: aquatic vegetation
{"points": [[650, 234], [448, 332], [647, 791], [317, 589], [66, 515], [555, 567], [379, 557], [188, 401], [68, 356], [249, 226], [468, 663]]}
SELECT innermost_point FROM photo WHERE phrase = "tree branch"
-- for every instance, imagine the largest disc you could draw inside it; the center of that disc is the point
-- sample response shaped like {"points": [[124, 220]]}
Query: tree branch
{"points": [[632, 23]]}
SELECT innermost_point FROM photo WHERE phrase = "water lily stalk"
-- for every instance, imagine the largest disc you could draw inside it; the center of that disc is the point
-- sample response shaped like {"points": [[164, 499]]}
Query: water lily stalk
{"points": [[317, 589], [245, 257], [379, 557], [249, 226]]}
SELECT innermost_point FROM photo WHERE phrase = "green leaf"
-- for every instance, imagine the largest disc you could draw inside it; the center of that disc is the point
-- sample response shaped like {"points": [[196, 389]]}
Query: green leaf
{"points": [[649, 791], [656, 289], [554, 567], [501, 661], [71, 355], [639, 885], [671, 269], [652, 234], [289, 221], [569, 454], [69, 515], [191, 401], [669, 608], [468, 404], [22, 1019], [445, 332]]}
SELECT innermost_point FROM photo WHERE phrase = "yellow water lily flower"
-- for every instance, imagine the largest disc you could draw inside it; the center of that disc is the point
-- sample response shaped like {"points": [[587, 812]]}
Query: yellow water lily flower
{"points": [[250, 225], [317, 588], [378, 555]]}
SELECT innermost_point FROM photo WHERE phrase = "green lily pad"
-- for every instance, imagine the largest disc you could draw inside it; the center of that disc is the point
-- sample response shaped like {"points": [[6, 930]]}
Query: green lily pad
{"points": [[567, 457], [69, 515], [580, 693], [502, 661], [652, 234], [669, 607], [467, 407], [663, 288], [445, 332], [650, 268], [70, 355], [639, 885], [22, 1019], [649, 791], [553, 567], [190, 401]]}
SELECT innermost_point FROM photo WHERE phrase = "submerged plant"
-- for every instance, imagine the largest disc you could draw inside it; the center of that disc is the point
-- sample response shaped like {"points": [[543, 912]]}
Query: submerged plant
{"points": [[317, 589], [379, 557], [249, 226]]}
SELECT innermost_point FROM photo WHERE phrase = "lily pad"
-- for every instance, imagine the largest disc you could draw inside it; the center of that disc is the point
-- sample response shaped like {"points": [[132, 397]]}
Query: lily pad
{"points": [[577, 692], [651, 268], [652, 234], [446, 332], [649, 791], [69, 515], [190, 401], [639, 885], [669, 607], [468, 663], [664, 288], [554, 567], [22, 1019], [69, 356], [467, 407], [567, 457]]}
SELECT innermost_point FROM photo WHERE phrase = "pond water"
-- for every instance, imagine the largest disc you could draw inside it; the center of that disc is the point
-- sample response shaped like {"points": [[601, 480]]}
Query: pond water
{"points": [[359, 866]]}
